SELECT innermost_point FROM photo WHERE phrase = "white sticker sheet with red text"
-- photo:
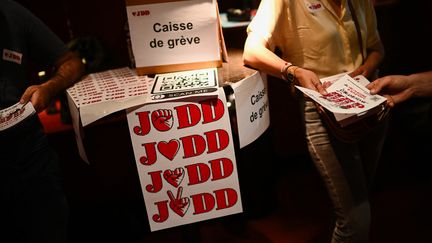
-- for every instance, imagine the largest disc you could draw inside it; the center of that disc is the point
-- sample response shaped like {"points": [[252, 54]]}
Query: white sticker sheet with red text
{"points": [[100, 94], [185, 159]]}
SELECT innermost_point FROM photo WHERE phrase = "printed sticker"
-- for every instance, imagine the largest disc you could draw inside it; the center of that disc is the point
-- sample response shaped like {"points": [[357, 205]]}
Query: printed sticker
{"points": [[314, 6], [12, 56]]}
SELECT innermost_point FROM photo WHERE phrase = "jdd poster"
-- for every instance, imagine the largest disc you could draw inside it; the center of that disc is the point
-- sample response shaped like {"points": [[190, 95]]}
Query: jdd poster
{"points": [[185, 159]]}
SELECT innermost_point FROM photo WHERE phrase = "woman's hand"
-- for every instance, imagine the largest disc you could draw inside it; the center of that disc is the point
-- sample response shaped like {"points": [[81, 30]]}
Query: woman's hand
{"points": [[309, 80]]}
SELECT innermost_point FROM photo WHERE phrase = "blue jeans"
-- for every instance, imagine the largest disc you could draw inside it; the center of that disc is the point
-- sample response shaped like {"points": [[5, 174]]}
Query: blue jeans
{"points": [[347, 170]]}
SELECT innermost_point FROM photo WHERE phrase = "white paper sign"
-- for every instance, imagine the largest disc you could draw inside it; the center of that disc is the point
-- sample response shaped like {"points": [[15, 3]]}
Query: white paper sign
{"points": [[185, 159], [252, 107], [174, 32]]}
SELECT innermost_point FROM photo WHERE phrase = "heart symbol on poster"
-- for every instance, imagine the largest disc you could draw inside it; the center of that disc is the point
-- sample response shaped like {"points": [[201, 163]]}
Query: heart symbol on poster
{"points": [[169, 149], [174, 177], [178, 204]]}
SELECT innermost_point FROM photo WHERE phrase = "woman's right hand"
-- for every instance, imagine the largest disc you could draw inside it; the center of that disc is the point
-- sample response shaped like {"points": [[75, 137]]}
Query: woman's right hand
{"points": [[309, 80]]}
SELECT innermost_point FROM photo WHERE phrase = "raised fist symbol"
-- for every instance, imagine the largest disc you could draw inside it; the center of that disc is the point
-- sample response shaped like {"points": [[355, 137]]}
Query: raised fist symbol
{"points": [[162, 119]]}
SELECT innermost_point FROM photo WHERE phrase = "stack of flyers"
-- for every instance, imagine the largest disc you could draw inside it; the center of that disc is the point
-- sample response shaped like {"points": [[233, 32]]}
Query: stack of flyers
{"points": [[347, 98]]}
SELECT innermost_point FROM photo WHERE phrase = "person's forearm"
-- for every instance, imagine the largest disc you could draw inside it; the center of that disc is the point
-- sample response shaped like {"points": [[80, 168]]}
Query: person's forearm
{"points": [[374, 58], [257, 55], [69, 70], [421, 84]]}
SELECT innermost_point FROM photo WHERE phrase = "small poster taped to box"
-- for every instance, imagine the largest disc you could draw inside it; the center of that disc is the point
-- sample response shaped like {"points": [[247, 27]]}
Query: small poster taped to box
{"points": [[202, 82]]}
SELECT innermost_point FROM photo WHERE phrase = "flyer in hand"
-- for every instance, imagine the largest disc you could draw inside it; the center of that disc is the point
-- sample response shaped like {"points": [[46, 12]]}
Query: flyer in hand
{"points": [[347, 98], [14, 114]]}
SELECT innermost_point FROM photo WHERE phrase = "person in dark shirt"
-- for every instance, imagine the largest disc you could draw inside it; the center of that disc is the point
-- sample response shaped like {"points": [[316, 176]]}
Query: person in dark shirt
{"points": [[33, 207]]}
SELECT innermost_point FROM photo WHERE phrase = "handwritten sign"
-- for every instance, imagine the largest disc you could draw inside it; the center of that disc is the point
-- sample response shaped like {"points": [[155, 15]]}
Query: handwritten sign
{"points": [[252, 107], [185, 159], [172, 36]]}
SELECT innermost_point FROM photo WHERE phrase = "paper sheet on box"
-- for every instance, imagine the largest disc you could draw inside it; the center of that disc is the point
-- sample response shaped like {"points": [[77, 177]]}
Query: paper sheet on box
{"points": [[184, 84], [174, 32], [185, 158], [252, 107], [103, 93]]}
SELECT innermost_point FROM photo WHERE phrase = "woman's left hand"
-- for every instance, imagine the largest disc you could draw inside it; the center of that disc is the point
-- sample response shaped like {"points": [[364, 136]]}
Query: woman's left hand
{"points": [[309, 80]]}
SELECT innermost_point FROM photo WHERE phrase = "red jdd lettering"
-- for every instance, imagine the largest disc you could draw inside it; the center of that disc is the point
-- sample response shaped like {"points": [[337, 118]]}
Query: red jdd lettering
{"points": [[199, 172], [194, 145], [222, 199], [190, 115]]}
